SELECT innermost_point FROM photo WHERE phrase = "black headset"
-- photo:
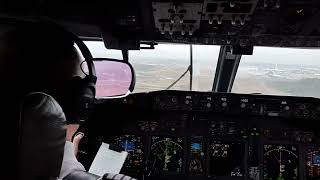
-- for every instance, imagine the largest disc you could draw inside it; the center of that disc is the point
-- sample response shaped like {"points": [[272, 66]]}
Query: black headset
{"points": [[79, 93]]}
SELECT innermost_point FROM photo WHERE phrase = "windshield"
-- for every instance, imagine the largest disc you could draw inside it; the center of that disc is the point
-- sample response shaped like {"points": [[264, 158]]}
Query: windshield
{"points": [[157, 69], [279, 71], [274, 71]]}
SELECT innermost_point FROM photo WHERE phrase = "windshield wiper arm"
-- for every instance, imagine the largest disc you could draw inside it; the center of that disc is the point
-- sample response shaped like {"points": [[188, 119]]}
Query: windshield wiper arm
{"points": [[190, 69], [176, 81]]}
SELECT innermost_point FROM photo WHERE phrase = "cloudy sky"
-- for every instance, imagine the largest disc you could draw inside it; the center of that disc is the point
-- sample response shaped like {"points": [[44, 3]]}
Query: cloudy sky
{"points": [[209, 54]]}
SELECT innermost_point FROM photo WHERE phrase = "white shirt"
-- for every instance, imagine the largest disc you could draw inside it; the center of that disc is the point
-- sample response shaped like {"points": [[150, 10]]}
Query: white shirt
{"points": [[70, 162]]}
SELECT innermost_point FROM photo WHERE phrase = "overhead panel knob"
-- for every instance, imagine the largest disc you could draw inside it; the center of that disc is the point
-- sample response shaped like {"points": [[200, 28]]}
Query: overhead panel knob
{"points": [[232, 3], [219, 19], [233, 20]]}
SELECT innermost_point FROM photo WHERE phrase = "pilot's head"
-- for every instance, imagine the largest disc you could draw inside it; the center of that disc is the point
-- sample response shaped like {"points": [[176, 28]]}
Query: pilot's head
{"points": [[37, 58]]}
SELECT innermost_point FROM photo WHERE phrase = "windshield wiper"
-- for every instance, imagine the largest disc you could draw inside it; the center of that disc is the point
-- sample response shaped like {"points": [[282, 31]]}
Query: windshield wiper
{"points": [[189, 69], [176, 81]]}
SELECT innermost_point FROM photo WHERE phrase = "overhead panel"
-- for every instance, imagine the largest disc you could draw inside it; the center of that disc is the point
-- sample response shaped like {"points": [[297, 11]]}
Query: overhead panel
{"points": [[173, 19], [217, 12]]}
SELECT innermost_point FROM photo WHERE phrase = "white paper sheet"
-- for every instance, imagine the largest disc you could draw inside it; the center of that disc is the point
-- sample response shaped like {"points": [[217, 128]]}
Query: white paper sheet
{"points": [[107, 161]]}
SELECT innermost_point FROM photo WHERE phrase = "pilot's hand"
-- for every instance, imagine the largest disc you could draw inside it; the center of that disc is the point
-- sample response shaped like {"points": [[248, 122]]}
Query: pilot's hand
{"points": [[71, 130], [76, 140]]}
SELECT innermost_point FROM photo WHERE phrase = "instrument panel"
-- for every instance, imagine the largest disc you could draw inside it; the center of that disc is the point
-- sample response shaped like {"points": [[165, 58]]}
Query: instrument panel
{"points": [[280, 162], [193, 135]]}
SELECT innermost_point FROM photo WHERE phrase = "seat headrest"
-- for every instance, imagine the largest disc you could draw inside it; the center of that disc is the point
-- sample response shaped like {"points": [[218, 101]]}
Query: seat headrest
{"points": [[42, 137]]}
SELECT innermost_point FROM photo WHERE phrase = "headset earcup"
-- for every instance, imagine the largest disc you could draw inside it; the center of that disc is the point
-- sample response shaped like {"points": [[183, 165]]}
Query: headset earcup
{"points": [[87, 97], [77, 99]]}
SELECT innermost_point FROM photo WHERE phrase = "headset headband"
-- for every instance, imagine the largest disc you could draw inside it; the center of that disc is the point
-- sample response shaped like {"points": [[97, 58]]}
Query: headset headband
{"points": [[82, 47]]}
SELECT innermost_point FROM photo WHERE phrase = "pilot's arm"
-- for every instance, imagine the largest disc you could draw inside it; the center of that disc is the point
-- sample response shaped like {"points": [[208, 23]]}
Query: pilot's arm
{"points": [[70, 162], [71, 166]]}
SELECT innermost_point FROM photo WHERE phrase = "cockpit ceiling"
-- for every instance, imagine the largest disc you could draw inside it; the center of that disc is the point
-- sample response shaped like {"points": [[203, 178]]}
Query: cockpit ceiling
{"points": [[125, 23]]}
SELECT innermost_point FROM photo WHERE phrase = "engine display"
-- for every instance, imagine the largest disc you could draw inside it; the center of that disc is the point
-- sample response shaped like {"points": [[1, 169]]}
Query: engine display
{"points": [[280, 162], [134, 146], [166, 154], [227, 159], [197, 156], [313, 162]]}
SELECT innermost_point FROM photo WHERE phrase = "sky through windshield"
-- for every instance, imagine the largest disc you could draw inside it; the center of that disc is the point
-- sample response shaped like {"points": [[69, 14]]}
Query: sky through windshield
{"points": [[278, 71]]}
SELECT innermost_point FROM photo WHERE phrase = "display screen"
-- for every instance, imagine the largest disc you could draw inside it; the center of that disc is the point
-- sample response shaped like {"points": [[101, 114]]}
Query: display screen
{"points": [[197, 157], [227, 159], [196, 147], [313, 162], [316, 160], [280, 162], [134, 146], [166, 155]]}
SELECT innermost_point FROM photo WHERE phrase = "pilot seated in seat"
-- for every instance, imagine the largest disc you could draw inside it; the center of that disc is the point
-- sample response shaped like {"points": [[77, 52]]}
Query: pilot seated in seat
{"points": [[35, 58]]}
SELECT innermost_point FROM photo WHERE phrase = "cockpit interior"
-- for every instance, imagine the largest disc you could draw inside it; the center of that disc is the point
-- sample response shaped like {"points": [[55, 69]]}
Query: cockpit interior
{"points": [[206, 89]]}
